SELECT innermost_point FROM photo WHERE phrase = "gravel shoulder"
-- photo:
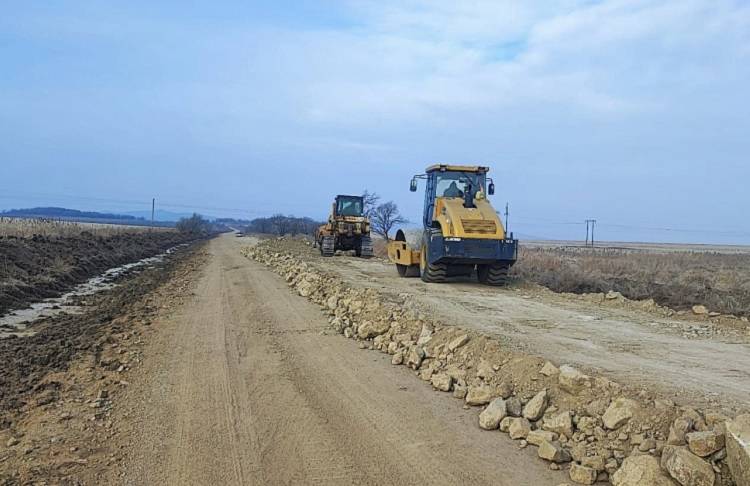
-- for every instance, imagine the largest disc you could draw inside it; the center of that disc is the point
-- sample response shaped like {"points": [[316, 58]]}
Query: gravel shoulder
{"points": [[637, 348]]}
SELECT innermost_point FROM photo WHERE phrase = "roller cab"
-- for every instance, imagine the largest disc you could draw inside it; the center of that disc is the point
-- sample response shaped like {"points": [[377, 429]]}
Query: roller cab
{"points": [[462, 232]]}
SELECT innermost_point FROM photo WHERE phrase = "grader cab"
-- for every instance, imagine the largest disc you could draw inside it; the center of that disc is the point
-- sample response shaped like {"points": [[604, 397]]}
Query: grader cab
{"points": [[462, 232]]}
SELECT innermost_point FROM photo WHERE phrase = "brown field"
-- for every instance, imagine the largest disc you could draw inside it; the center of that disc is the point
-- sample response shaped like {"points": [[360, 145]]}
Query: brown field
{"points": [[677, 279], [26, 228]]}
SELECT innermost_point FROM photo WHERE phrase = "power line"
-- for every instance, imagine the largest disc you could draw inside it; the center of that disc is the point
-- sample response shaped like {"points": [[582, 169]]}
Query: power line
{"points": [[134, 202], [720, 232], [525, 220]]}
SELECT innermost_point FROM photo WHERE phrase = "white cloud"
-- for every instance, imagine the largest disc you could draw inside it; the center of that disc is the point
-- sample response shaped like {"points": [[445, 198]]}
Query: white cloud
{"points": [[416, 59]]}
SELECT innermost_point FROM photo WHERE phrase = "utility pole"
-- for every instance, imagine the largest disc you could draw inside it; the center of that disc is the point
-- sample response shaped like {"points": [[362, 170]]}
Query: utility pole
{"points": [[592, 224], [587, 233], [153, 206]]}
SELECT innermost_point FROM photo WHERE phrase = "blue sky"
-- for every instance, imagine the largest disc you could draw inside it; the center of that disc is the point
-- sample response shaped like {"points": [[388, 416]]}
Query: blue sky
{"points": [[636, 113]]}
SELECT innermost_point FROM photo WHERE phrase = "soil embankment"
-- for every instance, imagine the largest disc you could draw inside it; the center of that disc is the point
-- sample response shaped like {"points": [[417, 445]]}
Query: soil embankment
{"points": [[37, 268], [57, 386]]}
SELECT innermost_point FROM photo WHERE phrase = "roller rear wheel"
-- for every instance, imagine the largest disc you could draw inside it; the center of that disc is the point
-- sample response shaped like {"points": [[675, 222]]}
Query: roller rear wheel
{"points": [[495, 274], [431, 273]]}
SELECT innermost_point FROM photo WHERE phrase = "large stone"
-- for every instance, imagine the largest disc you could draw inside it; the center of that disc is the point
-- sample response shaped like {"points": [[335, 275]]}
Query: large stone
{"points": [[619, 412], [479, 395], [700, 310], [536, 437], [504, 390], [505, 424], [425, 373], [519, 428], [332, 302], [562, 423], [536, 406], [640, 471], [458, 342], [687, 468], [679, 430], [549, 369], [553, 452], [425, 336], [370, 329], [573, 381], [442, 382], [514, 406], [594, 462], [582, 474], [703, 444], [491, 416], [415, 357], [738, 449], [696, 419]]}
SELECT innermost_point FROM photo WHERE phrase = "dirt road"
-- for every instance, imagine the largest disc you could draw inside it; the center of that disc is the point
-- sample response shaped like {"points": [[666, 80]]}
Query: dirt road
{"points": [[631, 347], [243, 386]]}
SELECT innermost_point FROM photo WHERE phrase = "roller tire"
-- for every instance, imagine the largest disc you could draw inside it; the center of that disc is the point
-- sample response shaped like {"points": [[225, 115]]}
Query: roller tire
{"points": [[407, 271], [432, 273], [495, 275]]}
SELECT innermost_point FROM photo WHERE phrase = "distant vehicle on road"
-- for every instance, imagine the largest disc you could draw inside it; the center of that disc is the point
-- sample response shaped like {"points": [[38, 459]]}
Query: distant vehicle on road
{"points": [[240, 234]]}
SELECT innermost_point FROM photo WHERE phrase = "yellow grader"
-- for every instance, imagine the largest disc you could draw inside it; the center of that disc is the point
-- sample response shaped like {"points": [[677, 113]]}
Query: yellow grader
{"points": [[461, 232], [347, 228]]}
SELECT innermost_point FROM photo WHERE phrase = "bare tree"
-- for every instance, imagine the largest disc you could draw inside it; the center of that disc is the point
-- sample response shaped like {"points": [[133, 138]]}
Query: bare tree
{"points": [[282, 225], [384, 218], [195, 224], [371, 201]]}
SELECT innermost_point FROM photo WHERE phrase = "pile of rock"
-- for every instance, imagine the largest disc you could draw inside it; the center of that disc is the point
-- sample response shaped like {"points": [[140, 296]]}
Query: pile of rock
{"points": [[581, 423]]}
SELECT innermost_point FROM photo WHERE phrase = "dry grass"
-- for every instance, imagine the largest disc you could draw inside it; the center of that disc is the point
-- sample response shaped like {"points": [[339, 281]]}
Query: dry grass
{"points": [[678, 280], [27, 228]]}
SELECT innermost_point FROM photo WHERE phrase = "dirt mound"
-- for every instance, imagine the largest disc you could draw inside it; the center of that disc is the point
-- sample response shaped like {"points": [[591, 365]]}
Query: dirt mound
{"points": [[33, 269], [26, 360]]}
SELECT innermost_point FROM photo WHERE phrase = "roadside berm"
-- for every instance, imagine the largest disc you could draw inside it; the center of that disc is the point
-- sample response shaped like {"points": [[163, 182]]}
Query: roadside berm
{"points": [[581, 422]]}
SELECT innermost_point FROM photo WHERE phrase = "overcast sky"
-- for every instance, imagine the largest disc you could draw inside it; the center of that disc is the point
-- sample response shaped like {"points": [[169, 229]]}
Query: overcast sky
{"points": [[636, 113]]}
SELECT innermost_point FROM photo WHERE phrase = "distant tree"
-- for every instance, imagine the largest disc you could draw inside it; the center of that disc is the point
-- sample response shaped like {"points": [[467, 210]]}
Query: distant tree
{"points": [[282, 225], [384, 218], [371, 201], [195, 224]]}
